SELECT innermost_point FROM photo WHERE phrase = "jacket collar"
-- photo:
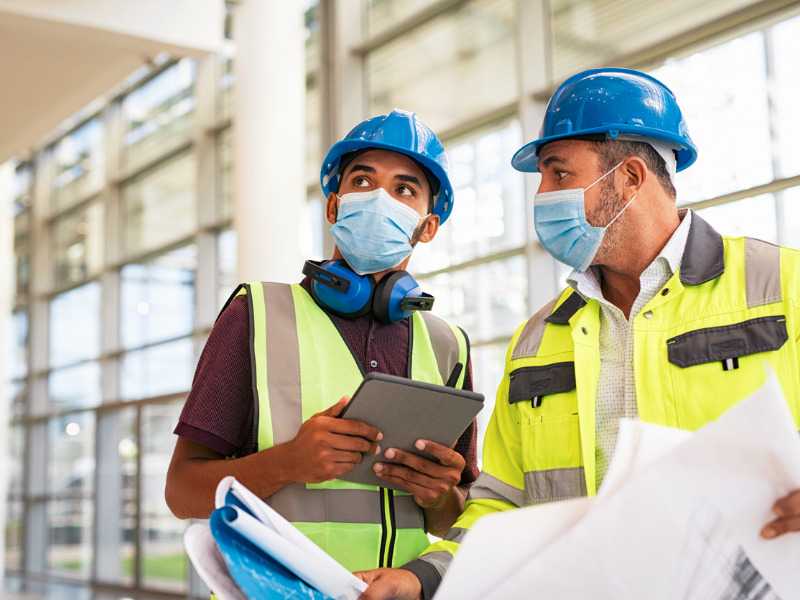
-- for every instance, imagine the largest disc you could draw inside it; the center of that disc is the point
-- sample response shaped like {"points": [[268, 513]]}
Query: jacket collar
{"points": [[704, 255], [703, 260]]}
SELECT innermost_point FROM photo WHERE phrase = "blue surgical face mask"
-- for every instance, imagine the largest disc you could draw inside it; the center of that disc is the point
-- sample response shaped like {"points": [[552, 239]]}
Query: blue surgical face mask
{"points": [[560, 221], [373, 230]]}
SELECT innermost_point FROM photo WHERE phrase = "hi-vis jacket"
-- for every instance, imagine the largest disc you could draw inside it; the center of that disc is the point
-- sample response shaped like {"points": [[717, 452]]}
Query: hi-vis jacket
{"points": [[699, 346], [301, 366]]}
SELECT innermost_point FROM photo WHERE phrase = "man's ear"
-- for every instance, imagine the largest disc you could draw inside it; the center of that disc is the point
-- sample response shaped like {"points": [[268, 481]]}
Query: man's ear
{"points": [[429, 229], [635, 173], [332, 208]]}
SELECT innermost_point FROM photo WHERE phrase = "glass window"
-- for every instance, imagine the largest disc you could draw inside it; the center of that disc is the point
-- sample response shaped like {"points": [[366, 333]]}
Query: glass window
{"points": [[227, 56], [164, 562], [486, 300], [313, 132], [225, 161], [16, 455], [17, 392], [159, 114], [312, 227], [790, 221], [79, 237], [75, 387], [451, 68], [226, 253], [161, 204], [15, 511], [69, 551], [786, 89], [594, 32], [723, 95], [16, 362], [488, 363], [158, 298], [21, 187], [75, 325], [71, 454], [117, 502], [385, 13], [158, 370], [79, 162], [21, 276], [489, 209], [753, 217]]}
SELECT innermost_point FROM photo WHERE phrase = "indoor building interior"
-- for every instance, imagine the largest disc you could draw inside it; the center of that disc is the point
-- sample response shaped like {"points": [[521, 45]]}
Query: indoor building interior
{"points": [[154, 155]]}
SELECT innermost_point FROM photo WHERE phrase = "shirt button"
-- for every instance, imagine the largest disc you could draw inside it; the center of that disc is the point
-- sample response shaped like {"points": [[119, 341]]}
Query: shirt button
{"points": [[585, 331], [373, 363], [665, 291], [648, 314]]}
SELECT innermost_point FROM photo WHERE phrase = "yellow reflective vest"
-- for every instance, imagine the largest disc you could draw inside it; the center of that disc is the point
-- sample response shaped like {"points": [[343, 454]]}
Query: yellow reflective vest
{"points": [[301, 366], [699, 346]]}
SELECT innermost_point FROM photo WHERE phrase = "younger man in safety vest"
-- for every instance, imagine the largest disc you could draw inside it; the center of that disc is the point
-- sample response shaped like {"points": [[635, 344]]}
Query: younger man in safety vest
{"points": [[281, 359], [664, 319]]}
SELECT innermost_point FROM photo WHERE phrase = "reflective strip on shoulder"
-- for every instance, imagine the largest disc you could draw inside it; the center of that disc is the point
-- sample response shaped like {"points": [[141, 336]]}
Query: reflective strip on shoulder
{"points": [[439, 560], [444, 342], [531, 337], [554, 484], [456, 534], [301, 505], [762, 272], [258, 364], [489, 487]]}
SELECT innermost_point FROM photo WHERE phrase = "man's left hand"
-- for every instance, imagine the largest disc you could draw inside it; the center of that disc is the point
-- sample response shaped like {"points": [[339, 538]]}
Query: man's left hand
{"points": [[788, 511], [428, 481]]}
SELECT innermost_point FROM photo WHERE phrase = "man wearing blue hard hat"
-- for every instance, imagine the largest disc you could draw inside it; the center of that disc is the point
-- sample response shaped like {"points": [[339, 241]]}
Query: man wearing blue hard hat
{"points": [[663, 318], [282, 359]]}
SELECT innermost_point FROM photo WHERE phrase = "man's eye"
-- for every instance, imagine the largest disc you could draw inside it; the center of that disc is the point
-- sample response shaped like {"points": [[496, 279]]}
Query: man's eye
{"points": [[561, 174], [404, 190], [361, 182]]}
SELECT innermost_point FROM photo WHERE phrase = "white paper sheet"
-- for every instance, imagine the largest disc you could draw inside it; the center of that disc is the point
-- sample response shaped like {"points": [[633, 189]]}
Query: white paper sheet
{"points": [[685, 526], [208, 561]]}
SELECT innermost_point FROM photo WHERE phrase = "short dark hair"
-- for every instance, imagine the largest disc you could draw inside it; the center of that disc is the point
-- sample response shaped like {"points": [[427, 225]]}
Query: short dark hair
{"points": [[612, 152]]}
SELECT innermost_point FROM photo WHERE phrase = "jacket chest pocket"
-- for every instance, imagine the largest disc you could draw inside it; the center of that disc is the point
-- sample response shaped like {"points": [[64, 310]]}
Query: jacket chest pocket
{"points": [[714, 367], [533, 383]]}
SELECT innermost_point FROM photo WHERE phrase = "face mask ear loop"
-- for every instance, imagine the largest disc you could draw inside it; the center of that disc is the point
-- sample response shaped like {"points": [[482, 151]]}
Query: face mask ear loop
{"points": [[622, 211], [606, 175]]}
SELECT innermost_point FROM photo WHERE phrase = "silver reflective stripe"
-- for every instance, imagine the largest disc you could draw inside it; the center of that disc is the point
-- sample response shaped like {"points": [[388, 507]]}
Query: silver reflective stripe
{"points": [[554, 484], [444, 343], [439, 560], [531, 337], [488, 487], [456, 534], [762, 272], [283, 362], [343, 506]]}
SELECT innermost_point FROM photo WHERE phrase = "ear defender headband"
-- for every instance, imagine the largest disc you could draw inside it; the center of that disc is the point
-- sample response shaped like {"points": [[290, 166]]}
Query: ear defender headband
{"points": [[340, 290]]}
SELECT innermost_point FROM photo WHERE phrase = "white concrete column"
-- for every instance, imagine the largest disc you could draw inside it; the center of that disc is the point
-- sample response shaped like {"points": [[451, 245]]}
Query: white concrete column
{"points": [[269, 138], [6, 285]]}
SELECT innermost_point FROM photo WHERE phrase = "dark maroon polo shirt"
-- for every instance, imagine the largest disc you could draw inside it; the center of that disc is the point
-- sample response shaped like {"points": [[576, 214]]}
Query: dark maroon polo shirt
{"points": [[219, 411]]}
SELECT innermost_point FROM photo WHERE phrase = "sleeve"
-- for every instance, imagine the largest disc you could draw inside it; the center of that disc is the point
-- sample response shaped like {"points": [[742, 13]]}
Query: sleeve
{"points": [[500, 486], [218, 412]]}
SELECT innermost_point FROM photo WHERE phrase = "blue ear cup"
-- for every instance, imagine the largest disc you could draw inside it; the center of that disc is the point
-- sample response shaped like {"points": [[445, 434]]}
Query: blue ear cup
{"points": [[339, 289], [397, 295]]}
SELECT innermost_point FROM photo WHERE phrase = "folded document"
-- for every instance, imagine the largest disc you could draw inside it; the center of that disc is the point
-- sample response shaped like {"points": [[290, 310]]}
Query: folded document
{"points": [[247, 551]]}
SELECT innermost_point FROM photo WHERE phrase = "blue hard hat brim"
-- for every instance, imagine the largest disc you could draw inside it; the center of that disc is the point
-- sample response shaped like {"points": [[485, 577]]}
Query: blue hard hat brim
{"points": [[341, 148], [526, 158]]}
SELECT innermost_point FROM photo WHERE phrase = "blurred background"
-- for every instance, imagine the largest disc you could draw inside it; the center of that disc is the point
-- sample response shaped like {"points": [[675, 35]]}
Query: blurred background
{"points": [[157, 153]]}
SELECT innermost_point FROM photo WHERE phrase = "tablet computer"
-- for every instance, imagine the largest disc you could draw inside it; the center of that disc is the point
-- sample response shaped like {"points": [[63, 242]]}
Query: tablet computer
{"points": [[406, 411]]}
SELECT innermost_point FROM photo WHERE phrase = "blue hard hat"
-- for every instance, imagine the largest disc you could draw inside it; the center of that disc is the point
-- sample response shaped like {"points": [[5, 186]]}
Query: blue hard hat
{"points": [[399, 131], [611, 101]]}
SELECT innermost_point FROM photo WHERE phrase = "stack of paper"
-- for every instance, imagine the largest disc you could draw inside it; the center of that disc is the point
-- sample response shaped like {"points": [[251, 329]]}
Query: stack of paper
{"points": [[248, 551], [677, 518]]}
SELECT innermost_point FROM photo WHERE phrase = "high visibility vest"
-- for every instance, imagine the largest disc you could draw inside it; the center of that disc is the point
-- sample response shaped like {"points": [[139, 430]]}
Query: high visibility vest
{"points": [[301, 366], [699, 346]]}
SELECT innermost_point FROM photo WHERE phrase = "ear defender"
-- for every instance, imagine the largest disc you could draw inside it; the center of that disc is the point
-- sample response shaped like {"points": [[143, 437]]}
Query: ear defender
{"points": [[340, 290], [397, 295]]}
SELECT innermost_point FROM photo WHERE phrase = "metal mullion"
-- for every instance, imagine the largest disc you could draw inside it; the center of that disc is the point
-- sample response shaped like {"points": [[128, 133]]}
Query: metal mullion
{"points": [[137, 519], [772, 187], [517, 251]]}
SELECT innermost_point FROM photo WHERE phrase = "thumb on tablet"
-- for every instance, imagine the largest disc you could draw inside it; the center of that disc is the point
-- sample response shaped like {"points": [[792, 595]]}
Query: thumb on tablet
{"points": [[336, 409]]}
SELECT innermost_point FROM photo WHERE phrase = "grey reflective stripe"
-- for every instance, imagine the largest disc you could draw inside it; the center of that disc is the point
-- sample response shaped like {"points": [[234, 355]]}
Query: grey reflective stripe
{"points": [[456, 534], [762, 272], [439, 560], [704, 254], [444, 343], [554, 484], [343, 506], [488, 487], [531, 337], [283, 362]]}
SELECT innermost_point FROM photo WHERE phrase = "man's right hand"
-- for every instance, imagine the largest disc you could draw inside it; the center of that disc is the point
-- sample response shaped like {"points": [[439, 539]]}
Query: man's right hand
{"points": [[326, 446], [390, 584]]}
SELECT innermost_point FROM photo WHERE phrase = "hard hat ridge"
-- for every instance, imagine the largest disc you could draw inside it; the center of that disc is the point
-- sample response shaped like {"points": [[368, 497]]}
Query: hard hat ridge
{"points": [[399, 131], [611, 102]]}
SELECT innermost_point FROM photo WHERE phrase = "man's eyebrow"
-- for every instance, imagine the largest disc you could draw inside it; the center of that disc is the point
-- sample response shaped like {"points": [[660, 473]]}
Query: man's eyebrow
{"points": [[408, 178], [553, 159], [360, 167]]}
